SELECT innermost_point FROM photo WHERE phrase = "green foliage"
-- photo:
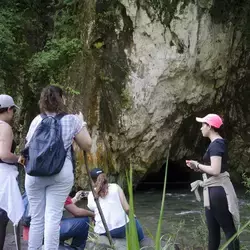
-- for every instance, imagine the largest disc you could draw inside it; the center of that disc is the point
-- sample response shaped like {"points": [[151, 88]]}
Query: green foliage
{"points": [[131, 231], [98, 45], [126, 99], [11, 39], [56, 54], [246, 181], [169, 241], [38, 42], [244, 228], [201, 232], [158, 232]]}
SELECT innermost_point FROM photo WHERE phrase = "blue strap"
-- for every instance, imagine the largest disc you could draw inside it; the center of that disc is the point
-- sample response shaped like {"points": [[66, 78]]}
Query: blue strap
{"points": [[60, 116], [43, 115], [57, 117]]}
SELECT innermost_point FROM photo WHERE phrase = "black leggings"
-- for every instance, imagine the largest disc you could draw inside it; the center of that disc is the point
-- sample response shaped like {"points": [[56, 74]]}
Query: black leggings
{"points": [[3, 225], [218, 216]]}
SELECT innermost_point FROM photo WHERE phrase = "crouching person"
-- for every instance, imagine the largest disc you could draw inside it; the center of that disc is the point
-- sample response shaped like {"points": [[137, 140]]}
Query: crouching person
{"points": [[75, 228]]}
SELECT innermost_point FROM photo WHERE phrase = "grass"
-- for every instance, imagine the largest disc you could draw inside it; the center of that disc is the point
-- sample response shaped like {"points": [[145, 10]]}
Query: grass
{"points": [[241, 230], [159, 227], [131, 233]]}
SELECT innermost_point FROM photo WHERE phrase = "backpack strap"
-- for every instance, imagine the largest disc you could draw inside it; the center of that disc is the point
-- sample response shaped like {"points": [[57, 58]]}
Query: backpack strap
{"points": [[60, 116], [73, 157], [43, 115]]}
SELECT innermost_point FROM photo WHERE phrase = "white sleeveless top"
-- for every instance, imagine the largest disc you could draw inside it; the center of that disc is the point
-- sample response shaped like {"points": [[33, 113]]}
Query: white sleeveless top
{"points": [[112, 210]]}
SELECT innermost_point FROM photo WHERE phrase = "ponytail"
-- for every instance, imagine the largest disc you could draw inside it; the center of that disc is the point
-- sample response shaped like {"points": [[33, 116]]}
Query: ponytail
{"points": [[101, 184], [220, 130]]}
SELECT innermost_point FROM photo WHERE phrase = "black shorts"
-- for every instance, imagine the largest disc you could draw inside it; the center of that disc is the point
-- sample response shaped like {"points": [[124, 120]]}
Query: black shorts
{"points": [[3, 216]]}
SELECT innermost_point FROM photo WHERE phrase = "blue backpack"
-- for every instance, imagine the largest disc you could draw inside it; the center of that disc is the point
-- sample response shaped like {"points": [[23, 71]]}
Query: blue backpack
{"points": [[45, 155]]}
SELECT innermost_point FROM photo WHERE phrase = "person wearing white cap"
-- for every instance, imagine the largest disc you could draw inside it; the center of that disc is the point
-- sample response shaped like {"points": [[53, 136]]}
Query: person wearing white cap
{"points": [[220, 200], [10, 196]]}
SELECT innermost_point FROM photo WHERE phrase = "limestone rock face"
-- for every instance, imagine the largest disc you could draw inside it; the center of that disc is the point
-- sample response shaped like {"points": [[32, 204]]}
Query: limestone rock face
{"points": [[184, 59]]}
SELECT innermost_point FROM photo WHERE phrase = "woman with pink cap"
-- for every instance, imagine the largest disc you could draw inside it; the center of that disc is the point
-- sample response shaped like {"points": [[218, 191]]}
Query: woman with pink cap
{"points": [[220, 201]]}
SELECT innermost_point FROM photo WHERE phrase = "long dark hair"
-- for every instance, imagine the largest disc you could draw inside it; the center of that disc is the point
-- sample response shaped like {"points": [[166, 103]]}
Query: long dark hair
{"points": [[101, 184], [51, 100], [220, 130]]}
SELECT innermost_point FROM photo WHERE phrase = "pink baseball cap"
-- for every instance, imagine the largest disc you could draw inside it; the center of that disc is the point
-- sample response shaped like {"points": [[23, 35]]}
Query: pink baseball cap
{"points": [[211, 119]]}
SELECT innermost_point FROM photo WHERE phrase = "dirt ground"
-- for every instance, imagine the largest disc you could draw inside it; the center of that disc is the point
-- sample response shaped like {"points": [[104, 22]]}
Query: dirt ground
{"points": [[11, 245]]}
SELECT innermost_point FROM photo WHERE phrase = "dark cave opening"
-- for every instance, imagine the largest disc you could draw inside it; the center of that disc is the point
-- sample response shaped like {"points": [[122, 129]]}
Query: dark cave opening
{"points": [[179, 177]]}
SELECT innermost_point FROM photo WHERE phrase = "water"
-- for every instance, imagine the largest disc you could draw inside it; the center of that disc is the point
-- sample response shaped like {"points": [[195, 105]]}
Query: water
{"points": [[181, 206]]}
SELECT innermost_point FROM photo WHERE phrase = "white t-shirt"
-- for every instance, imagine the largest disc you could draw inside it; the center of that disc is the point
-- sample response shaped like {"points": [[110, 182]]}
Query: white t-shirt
{"points": [[112, 209]]}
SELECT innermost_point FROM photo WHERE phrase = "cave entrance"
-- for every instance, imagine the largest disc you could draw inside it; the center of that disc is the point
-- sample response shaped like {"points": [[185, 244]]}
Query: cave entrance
{"points": [[179, 177]]}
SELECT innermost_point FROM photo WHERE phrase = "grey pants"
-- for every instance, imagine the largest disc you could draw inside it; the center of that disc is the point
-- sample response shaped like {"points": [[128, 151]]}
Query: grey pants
{"points": [[47, 196]]}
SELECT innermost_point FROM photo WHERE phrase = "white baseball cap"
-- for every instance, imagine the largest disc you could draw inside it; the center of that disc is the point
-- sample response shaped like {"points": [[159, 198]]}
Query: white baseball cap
{"points": [[7, 101]]}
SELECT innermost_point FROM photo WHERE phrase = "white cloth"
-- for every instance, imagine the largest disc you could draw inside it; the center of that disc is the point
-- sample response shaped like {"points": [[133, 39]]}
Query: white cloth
{"points": [[10, 196], [224, 181], [112, 210]]}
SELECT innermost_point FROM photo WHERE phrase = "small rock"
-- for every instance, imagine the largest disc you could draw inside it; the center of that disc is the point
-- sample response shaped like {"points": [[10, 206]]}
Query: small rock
{"points": [[102, 243]]}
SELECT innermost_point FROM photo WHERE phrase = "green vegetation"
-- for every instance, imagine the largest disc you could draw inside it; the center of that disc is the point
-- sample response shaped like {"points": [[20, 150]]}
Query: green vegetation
{"points": [[160, 243], [39, 40]]}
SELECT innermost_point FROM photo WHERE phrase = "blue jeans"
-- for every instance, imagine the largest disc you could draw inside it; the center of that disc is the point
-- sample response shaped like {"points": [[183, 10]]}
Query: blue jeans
{"points": [[76, 228], [121, 231]]}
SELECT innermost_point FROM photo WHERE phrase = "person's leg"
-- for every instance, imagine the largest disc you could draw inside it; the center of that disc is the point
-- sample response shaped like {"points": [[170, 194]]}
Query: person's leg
{"points": [[213, 230], [118, 233], [121, 231], [3, 225], [36, 195], [76, 228], [223, 216], [139, 230], [56, 195]]}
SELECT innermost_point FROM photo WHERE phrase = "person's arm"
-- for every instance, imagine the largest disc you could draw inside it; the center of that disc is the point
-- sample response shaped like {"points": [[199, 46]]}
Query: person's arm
{"points": [[214, 168], [91, 202], [83, 139], [77, 211], [78, 196], [216, 151], [123, 200], [6, 138]]}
